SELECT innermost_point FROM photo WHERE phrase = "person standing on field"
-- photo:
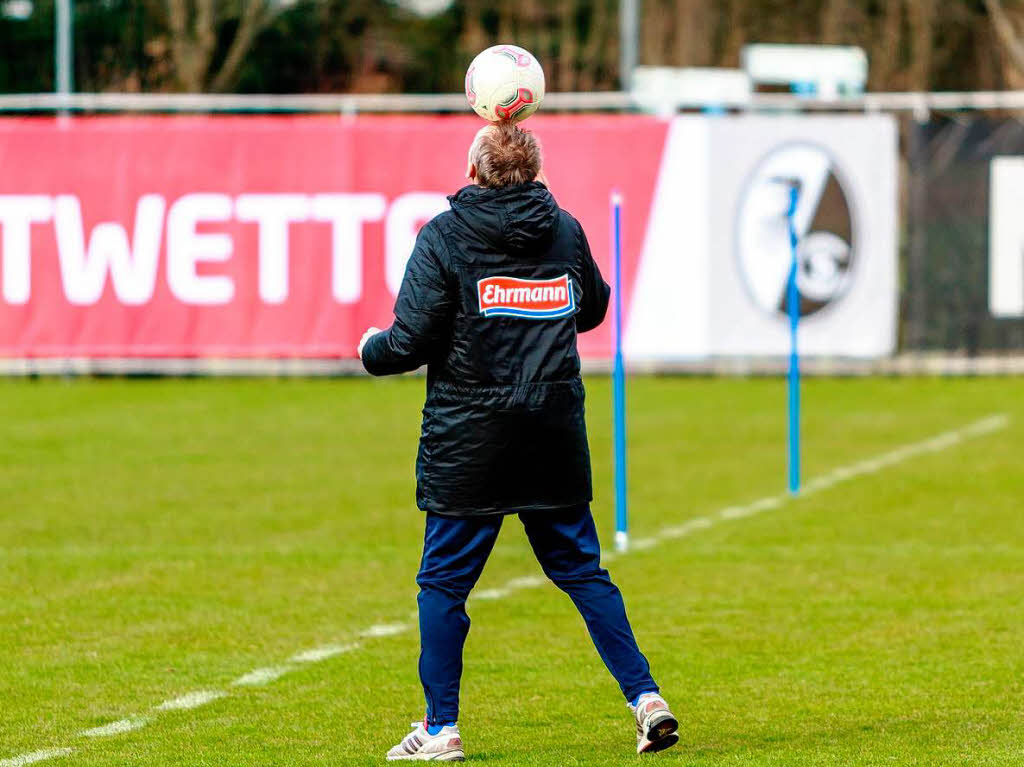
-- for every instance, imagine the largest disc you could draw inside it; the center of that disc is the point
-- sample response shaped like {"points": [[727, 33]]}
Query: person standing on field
{"points": [[494, 295]]}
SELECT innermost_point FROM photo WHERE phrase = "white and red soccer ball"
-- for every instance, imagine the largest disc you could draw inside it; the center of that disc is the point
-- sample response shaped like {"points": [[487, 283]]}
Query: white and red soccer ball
{"points": [[505, 82]]}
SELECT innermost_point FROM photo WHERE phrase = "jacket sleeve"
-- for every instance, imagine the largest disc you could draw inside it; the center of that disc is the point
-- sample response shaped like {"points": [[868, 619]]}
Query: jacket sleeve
{"points": [[595, 290], [422, 314]]}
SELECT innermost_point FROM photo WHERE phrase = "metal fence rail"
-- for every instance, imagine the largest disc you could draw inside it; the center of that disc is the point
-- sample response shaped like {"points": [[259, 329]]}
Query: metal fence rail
{"points": [[934, 364], [918, 103]]}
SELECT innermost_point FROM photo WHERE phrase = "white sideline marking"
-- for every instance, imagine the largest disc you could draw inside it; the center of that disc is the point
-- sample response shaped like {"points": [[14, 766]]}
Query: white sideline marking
{"points": [[35, 756], [867, 466], [678, 531], [385, 629], [191, 700], [261, 676], [525, 582], [491, 594], [764, 504], [318, 654], [836, 476], [115, 728]]}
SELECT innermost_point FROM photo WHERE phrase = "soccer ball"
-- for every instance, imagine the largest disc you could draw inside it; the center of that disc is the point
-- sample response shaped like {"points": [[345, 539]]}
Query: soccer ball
{"points": [[505, 82]]}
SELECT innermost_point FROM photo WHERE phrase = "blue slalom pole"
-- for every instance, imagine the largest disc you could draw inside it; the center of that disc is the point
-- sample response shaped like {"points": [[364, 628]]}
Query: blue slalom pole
{"points": [[619, 384], [793, 302]]}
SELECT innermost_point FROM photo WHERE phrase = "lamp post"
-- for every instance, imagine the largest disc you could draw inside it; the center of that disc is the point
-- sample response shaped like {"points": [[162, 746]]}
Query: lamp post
{"points": [[629, 32], [64, 47]]}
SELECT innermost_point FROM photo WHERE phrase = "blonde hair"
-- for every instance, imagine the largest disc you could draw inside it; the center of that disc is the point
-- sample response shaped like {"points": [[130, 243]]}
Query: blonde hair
{"points": [[505, 155]]}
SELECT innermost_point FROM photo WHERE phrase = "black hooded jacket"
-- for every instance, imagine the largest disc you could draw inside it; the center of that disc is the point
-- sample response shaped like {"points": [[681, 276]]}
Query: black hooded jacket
{"points": [[493, 296]]}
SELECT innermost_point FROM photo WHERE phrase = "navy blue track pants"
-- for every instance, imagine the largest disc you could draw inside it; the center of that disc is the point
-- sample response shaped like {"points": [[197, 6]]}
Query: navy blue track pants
{"points": [[565, 543]]}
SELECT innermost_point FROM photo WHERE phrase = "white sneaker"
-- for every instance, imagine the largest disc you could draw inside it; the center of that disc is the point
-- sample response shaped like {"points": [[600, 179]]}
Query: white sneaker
{"points": [[655, 725], [420, 745]]}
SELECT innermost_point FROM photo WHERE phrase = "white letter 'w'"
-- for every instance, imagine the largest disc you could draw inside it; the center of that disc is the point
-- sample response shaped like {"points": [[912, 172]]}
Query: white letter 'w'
{"points": [[132, 267]]}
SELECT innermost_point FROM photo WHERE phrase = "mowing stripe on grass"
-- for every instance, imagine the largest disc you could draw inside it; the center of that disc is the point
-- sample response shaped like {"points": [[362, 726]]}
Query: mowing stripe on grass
{"points": [[259, 676]]}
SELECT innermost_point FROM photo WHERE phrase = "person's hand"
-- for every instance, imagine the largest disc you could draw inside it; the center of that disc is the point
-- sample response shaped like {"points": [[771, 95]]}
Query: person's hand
{"points": [[366, 337]]}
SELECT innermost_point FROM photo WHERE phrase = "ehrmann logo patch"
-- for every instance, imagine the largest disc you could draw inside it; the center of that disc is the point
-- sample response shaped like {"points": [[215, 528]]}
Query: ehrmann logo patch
{"points": [[529, 299]]}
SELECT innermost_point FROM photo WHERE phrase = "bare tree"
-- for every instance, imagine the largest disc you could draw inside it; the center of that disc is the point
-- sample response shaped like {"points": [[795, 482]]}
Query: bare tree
{"points": [[833, 21], [568, 46], [692, 33], [885, 46], [652, 27], [1010, 38], [473, 38], [921, 15], [736, 33], [600, 49], [194, 25]]}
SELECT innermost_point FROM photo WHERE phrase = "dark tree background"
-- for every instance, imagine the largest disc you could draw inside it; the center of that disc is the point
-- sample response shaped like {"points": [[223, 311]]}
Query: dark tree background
{"points": [[311, 46]]}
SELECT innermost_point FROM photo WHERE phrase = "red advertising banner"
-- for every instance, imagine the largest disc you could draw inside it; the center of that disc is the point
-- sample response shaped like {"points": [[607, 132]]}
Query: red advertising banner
{"points": [[259, 236]]}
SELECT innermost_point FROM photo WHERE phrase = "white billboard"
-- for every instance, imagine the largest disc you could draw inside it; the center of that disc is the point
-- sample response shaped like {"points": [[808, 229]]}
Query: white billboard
{"points": [[716, 255], [1006, 238]]}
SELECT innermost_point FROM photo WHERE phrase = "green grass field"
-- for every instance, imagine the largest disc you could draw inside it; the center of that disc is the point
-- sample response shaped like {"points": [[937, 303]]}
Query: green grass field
{"points": [[159, 538]]}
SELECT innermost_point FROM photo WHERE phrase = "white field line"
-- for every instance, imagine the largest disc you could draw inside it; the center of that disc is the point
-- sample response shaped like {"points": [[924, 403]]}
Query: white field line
{"points": [[491, 594], [35, 756], [384, 630], [191, 700], [678, 531], [119, 727], [525, 582], [260, 676], [642, 544], [318, 654], [872, 465]]}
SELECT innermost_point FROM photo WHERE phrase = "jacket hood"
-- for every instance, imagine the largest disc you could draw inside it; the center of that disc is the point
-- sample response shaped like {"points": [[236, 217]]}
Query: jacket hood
{"points": [[512, 218]]}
